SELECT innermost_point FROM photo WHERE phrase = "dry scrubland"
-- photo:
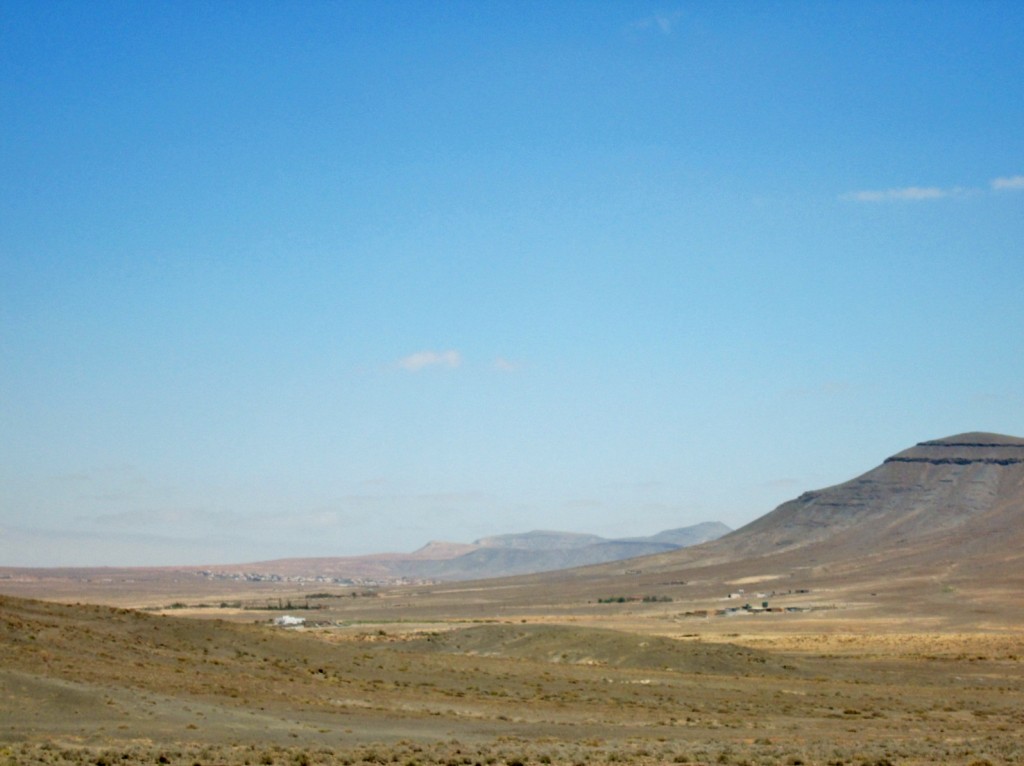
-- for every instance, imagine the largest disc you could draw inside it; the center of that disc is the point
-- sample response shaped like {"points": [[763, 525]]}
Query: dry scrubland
{"points": [[103, 685], [896, 638]]}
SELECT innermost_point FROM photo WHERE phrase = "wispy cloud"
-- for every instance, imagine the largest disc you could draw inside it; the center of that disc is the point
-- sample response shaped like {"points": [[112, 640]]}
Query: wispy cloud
{"points": [[659, 22], [927, 193], [505, 365], [1008, 183], [423, 359], [906, 194]]}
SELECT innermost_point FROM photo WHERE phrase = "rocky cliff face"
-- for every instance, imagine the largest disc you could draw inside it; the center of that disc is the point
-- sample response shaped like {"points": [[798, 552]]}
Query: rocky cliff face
{"points": [[966, 449]]}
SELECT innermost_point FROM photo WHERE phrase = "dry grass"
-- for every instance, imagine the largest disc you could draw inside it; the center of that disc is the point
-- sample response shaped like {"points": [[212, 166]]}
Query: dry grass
{"points": [[512, 751], [100, 685]]}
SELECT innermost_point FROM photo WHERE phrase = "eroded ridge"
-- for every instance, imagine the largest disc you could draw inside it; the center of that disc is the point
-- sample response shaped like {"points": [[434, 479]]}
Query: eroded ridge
{"points": [[999, 445], [957, 460]]}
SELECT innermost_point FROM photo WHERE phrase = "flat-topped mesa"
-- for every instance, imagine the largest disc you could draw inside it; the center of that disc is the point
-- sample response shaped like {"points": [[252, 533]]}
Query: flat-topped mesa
{"points": [[967, 488], [965, 449]]}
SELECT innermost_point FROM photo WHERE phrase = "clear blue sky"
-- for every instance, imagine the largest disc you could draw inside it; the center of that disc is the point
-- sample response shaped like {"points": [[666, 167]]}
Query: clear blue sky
{"points": [[306, 279]]}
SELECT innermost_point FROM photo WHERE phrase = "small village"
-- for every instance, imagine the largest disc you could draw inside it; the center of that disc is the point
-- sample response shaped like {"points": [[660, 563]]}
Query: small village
{"points": [[270, 577]]}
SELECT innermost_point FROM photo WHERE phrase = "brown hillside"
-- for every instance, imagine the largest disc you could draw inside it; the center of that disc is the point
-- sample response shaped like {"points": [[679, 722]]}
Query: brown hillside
{"points": [[937, 529], [953, 489]]}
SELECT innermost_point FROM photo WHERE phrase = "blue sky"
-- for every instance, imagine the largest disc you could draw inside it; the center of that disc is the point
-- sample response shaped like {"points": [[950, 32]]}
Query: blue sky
{"points": [[307, 279]]}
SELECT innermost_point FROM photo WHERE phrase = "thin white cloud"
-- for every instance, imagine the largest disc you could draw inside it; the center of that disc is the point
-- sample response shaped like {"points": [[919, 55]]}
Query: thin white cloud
{"points": [[1008, 183], [660, 22], [422, 359], [926, 193], [906, 194], [505, 365]]}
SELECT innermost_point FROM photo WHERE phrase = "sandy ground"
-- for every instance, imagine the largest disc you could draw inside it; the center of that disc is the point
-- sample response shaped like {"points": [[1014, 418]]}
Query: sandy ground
{"points": [[93, 684]]}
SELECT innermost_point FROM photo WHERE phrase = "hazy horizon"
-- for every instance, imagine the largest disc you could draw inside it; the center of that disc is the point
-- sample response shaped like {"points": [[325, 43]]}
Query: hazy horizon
{"points": [[284, 280]]}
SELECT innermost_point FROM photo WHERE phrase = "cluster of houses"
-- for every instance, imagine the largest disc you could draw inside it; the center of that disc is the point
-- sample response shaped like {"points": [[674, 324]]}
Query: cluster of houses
{"points": [[764, 606], [754, 609], [365, 582], [759, 605]]}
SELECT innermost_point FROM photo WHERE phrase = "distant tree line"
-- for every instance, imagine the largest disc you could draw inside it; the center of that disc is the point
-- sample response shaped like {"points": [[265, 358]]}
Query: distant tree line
{"points": [[627, 599]]}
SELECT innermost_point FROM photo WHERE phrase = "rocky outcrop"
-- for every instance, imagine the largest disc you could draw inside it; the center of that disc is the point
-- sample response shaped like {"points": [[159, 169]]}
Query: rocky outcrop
{"points": [[966, 449], [957, 460], [1008, 442]]}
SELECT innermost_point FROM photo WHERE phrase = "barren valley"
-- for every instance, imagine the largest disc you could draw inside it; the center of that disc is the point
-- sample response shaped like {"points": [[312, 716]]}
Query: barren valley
{"points": [[877, 622]]}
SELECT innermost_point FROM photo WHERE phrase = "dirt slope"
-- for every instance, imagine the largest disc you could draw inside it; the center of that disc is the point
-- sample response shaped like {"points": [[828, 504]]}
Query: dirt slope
{"points": [[590, 646]]}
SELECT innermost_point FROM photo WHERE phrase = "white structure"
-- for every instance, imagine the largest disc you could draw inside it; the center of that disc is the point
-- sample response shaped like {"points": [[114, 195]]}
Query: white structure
{"points": [[287, 621]]}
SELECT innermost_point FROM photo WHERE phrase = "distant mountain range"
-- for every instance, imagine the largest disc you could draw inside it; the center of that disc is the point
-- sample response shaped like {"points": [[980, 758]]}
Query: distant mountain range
{"points": [[498, 556], [942, 521], [935, 529]]}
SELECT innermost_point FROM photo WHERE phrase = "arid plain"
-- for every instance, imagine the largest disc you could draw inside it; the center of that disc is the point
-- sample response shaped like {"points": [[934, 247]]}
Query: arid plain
{"points": [[876, 622]]}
